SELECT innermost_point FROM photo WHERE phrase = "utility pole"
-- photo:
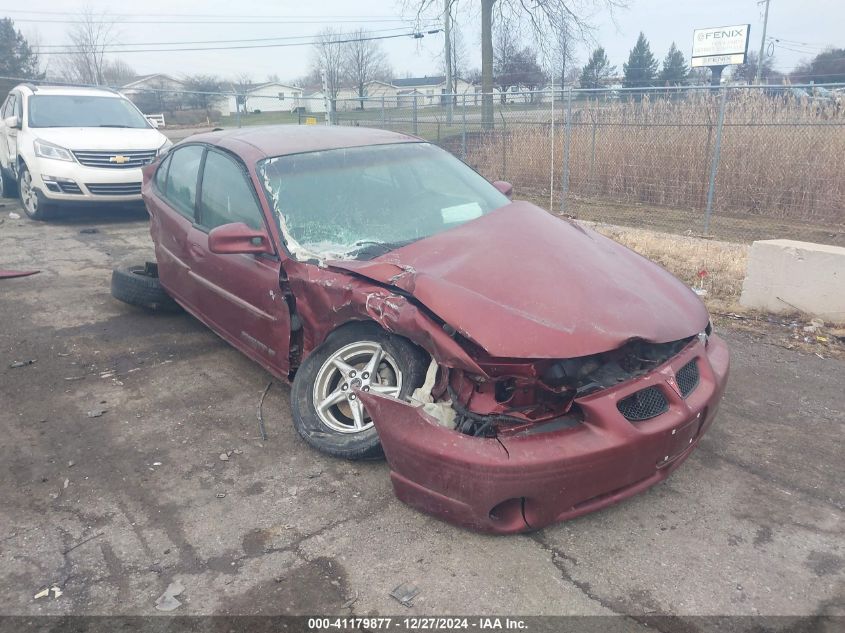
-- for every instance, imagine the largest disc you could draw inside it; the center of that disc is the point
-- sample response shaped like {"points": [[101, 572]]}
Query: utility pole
{"points": [[762, 44], [447, 30]]}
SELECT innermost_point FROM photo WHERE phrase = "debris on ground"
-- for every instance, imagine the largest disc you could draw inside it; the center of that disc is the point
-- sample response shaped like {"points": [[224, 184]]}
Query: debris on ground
{"points": [[44, 593], [224, 457], [220, 495], [21, 363], [81, 543], [261, 428], [14, 216], [10, 274], [96, 413], [792, 331], [89, 231], [167, 601], [405, 594]]}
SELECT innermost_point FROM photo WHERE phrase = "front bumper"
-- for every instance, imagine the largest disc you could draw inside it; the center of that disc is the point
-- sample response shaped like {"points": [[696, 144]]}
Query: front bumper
{"points": [[65, 181], [520, 483]]}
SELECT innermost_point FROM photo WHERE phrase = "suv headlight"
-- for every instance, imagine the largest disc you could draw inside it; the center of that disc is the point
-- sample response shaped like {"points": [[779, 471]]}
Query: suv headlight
{"points": [[48, 150], [161, 151]]}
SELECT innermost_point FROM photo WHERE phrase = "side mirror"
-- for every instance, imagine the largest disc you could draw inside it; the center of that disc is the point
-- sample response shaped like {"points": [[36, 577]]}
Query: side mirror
{"points": [[12, 122], [505, 187], [230, 239]]}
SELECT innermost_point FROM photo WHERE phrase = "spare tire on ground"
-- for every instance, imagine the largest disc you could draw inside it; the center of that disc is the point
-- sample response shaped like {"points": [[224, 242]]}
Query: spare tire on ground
{"points": [[140, 286]]}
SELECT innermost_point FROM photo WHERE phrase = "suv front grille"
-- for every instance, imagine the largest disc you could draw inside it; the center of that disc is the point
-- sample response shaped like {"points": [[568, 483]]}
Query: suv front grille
{"points": [[643, 405], [115, 189], [687, 378], [115, 159]]}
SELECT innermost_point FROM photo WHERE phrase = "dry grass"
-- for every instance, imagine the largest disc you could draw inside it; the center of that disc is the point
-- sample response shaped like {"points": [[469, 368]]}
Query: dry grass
{"points": [[780, 158]]}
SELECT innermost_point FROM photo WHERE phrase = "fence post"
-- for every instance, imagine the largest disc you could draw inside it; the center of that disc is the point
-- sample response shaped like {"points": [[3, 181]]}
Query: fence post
{"points": [[464, 128], [415, 114], [382, 111], [238, 109], [714, 165], [593, 154], [567, 134]]}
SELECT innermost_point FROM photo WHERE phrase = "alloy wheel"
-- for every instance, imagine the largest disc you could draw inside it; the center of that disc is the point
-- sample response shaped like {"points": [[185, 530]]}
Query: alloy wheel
{"points": [[363, 365], [28, 197]]}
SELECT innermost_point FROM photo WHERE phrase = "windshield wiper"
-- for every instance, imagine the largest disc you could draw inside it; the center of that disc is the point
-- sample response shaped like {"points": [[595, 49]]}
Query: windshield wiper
{"points": [[113, 125]]}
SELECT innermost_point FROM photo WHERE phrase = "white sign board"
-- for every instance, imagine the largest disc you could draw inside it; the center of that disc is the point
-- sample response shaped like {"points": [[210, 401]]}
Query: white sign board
{"points": [[720, 46]]}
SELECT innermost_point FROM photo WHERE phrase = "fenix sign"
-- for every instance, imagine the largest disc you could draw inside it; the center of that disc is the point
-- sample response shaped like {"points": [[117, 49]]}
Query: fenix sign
{"points": [[720, 46]]}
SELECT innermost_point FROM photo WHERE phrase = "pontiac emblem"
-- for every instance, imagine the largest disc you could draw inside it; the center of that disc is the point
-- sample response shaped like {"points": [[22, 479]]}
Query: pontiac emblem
{"points": [[119, 159], [670, 380]]}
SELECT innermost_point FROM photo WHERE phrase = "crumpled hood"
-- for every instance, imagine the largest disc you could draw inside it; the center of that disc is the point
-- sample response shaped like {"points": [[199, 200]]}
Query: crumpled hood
{"points": [[103, 138], [522, 283]]}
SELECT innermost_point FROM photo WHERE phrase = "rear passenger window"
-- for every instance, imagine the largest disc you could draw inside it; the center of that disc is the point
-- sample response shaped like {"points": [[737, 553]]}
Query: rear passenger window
{"points": [[181, 189]]}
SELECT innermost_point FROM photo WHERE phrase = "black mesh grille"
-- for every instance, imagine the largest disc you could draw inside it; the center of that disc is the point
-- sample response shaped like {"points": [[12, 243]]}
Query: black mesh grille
{"points": [[643, 405], [688, 378]]}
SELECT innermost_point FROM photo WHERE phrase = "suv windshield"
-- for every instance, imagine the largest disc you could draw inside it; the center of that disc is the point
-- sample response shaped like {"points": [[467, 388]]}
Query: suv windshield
{"points": [[83, 111], [361, 202]]}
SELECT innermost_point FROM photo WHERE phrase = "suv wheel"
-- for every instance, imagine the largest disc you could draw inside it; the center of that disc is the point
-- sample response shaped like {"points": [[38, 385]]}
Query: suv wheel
{"points": [[326, 411], [34, 205]]}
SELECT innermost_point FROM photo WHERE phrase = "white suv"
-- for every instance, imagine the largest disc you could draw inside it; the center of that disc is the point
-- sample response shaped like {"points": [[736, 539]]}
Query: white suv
{"points": [[63, 145]]}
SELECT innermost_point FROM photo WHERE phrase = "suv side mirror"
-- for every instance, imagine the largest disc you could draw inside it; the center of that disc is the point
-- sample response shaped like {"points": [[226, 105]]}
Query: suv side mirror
{"points": [[230, 239], [505, 187], [13, 122]]}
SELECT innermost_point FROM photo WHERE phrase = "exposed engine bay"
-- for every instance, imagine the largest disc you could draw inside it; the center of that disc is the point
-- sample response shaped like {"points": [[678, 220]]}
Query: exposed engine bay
{"points": [[527, 396]]}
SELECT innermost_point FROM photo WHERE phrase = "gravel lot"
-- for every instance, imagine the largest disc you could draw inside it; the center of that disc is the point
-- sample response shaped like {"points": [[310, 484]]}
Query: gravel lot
{"points": [[111, 509]]}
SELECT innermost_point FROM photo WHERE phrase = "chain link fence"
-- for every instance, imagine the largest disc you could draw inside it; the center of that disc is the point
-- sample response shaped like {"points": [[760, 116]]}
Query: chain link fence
{"points": [[687, 176]]}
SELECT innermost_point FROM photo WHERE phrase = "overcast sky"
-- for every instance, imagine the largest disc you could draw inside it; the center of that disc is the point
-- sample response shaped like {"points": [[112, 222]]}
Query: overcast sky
{"points": [[808, 25]]}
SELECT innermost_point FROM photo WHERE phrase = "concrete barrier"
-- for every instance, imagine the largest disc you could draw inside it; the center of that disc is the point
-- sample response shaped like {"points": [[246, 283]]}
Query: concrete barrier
{"points": [[784, 275]]}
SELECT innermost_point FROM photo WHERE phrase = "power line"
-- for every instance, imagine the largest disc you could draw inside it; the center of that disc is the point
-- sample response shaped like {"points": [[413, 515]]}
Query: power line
{"points": [[239, 40], [223, 22], [413, 34], [212, 15]]}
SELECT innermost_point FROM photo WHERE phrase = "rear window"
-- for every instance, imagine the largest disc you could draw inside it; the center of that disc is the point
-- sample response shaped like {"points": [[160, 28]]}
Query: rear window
{"points": [[84, 111]]}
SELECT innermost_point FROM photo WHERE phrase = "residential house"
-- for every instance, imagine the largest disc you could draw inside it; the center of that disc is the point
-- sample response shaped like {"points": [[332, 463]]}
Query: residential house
{"points": [[155, 93], [265, 97]]}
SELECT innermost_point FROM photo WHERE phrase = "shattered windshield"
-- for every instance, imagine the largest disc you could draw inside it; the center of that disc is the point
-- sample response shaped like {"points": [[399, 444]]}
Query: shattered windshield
{"points": [[361, 202]]}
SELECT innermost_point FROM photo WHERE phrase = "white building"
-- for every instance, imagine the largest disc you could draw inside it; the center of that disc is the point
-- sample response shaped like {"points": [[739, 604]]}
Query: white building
{"points": [[267, 97]]}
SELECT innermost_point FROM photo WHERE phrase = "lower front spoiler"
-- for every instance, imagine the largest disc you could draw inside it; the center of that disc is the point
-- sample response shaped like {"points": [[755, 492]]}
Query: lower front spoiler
{"points": [[520, 483]]}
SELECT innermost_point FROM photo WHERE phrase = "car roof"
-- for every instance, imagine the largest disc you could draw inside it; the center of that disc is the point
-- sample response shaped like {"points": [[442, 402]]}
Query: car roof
{"points": [[73, 91], [280, 140]]}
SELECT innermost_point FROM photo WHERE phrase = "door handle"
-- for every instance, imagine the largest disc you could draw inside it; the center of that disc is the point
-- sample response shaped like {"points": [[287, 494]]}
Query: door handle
{"points": [[196, 250]]}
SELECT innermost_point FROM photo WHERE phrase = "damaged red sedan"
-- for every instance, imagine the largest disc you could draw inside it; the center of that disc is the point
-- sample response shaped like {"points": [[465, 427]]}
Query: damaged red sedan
{"points": [[515, 369]]}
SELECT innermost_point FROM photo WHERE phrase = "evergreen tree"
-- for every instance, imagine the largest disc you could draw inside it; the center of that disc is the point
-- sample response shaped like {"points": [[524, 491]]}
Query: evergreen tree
{"points": [[597, 71], [675, 70], [17, 59], [641, 69]]}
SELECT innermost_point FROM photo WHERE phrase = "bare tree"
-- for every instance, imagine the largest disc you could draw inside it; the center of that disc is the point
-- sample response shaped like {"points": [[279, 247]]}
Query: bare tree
{"points": [[89, 39], [329, 57], [117, 72], [561, 57], [545, 18], [363, 60]]}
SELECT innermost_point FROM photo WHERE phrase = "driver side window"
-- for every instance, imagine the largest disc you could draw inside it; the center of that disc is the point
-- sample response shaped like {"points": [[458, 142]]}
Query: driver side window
{"points": [[227, 195]]}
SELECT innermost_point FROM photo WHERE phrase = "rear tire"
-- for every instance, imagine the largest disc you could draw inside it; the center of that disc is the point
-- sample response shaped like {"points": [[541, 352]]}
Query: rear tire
{"points": [[8, 186], [334, 429], [140, 286]]}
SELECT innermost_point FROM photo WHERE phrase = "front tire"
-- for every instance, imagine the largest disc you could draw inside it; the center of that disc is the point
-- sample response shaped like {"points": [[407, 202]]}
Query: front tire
{"points": [[326, 411], [34, 205]]}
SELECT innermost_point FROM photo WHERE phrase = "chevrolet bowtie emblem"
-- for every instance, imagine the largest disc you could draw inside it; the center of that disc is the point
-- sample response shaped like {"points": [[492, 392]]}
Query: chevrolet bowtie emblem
{"points": [[119, 159]]}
